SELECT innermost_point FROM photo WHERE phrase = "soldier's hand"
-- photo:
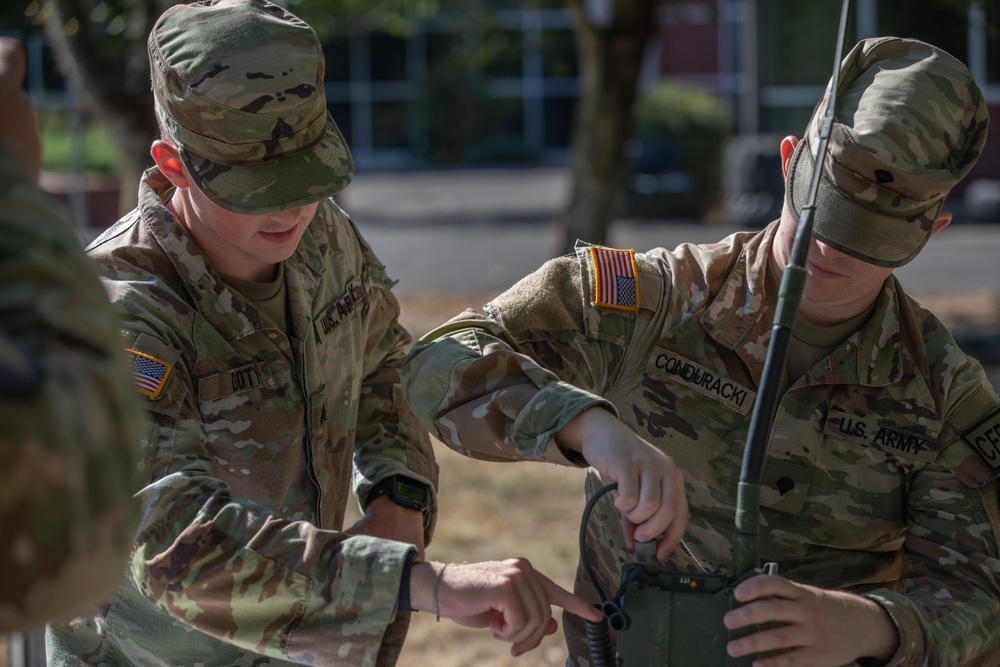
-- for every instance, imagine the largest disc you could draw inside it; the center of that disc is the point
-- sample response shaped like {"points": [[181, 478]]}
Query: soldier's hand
{"points": [[508, 596], [387, 520], [818, 627], [650, 494]]}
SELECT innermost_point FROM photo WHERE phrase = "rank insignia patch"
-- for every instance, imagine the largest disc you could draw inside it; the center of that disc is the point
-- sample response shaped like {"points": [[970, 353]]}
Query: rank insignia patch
{"points": [[149, 372], [615, 279]]}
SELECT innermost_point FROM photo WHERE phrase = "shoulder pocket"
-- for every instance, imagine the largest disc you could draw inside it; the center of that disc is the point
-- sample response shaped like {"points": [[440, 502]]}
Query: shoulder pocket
{"points": [[152, 365], [164, 389], [984, 438], [977, 420]]}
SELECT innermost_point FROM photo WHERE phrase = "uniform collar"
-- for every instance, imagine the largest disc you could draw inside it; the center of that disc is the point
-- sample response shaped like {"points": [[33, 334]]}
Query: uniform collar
{"points": [[741, 315], [883, 365], [228, 312]]}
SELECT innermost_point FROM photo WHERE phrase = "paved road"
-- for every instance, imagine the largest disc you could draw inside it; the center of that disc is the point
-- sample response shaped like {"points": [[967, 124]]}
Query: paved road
{"points": [[479, 231]]}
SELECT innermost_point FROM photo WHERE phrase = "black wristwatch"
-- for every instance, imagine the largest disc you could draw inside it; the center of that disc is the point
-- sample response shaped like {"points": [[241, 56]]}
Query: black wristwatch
{"points": [[403, 491]]}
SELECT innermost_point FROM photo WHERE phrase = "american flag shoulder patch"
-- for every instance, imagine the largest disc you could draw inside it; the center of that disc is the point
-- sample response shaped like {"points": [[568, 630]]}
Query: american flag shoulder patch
{"points": [[616, 282], [150, 373]]}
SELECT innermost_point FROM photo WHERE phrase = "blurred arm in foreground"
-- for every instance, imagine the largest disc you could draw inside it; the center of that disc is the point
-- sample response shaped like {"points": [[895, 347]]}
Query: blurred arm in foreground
{"points": [[69, 417]]}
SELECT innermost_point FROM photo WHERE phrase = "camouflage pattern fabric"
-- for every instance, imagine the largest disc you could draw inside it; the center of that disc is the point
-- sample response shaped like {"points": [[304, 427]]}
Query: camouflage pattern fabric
{"points": [[239, 88], [868, 486], [69, 417], [910, 123], [246, 469]]}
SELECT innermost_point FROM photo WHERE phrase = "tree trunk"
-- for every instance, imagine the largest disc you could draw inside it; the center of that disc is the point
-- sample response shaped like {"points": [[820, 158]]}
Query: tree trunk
{"points": [[609, 58], [110, 79]]}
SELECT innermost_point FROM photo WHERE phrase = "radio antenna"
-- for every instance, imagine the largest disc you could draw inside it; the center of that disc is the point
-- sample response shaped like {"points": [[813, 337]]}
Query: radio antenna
{"points": [[789, 296]]}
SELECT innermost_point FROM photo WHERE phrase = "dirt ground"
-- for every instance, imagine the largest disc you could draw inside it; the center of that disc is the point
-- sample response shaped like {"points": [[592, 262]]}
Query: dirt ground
{"points": [[493, 510]]}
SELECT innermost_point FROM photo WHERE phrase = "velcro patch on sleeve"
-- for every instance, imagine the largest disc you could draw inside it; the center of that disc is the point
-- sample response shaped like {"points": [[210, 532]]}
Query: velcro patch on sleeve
{"points": [[616, 284], [150, 373], [984, 437]]}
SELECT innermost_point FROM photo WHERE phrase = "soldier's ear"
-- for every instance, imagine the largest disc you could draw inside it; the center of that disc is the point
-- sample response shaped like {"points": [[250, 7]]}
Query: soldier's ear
{"points": [[788, 145], [943, 219], [168, 160]]}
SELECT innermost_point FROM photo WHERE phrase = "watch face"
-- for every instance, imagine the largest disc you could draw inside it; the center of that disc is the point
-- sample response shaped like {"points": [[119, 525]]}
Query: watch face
{"points": [[414, 492]]}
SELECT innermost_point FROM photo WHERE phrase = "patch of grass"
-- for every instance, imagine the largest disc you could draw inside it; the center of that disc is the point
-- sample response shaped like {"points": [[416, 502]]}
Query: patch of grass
{"points": [[480, 517], [531, 510]]}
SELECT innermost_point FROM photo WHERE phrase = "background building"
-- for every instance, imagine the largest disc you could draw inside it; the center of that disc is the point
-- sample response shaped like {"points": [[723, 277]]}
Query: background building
{"points": [[476, 88], [769, 59], [471, 90], [459, 89]]}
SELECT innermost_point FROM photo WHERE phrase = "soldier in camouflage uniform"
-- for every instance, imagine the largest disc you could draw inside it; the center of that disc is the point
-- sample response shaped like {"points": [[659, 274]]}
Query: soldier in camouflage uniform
{"points": [[880, 494], [264, 338], [69, 419]]}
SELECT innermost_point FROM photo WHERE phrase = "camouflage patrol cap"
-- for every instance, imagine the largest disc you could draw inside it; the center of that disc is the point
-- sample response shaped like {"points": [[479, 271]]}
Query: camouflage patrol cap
{"points": [[910, 123], [239, 88]]}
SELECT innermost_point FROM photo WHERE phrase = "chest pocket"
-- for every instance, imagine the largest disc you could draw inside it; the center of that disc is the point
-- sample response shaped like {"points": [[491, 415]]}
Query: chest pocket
{"points": [[899, 446], [862, 462], [784, 486], [234, 381], [239, 406], [710, 384], [336, 357], [691, 404], [252, 419]]}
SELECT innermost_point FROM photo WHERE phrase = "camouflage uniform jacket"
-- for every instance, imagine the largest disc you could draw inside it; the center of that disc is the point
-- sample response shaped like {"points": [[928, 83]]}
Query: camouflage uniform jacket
{"points": [[246, 470], [69, 417], [868, 484]]}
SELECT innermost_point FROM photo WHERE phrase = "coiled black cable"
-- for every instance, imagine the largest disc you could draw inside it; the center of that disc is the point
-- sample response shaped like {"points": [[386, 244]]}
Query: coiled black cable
{"points": [[598, 634]]}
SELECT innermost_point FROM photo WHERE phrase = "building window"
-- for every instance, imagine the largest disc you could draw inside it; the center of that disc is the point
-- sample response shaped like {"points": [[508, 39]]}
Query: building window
{"points": [[797, 41], [389, 125], [387, 57], [503, 54], [461, 87], [944, 25]]}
